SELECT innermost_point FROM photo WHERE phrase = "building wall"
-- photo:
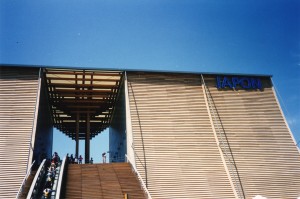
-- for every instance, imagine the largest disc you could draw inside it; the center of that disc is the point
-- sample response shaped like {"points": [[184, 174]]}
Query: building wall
{"points": [[18, 96], [44, 130], [117, 134], [176, 152], [179, 154], [264, 152]]}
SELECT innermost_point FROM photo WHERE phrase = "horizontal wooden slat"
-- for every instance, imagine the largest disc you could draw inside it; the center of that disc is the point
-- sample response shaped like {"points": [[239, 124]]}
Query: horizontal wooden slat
{"points": [[18, 89], [177, 153], [85, 79], [265, 155], [102, 181]]}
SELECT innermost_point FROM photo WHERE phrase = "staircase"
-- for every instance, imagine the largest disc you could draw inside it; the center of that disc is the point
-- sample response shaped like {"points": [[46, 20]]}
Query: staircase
{"points": [[102, 181]]}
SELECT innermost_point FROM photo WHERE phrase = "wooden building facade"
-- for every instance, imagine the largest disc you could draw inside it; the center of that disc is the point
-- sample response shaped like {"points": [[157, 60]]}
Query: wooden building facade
{"points": [[188, 135], [25, 125], [192, 139]]}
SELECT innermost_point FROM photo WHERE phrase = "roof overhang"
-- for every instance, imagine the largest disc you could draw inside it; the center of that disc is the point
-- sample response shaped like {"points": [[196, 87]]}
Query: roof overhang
{"points": [[75, 95]]}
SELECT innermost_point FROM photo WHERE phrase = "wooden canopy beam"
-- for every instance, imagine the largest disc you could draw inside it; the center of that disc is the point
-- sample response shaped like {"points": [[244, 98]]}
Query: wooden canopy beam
{"points": [[62, 94], [104, 92], [80, 101], [81, 79], [116, 74], [69, 85]]}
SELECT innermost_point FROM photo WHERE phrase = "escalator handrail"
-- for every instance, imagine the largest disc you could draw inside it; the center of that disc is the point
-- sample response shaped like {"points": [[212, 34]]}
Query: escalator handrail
{"points": [[60, 178], [35, 180], [24, 180]]}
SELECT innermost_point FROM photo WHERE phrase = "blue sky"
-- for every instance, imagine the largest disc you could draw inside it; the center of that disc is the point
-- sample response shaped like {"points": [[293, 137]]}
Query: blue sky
{"points": [[232, 36]]}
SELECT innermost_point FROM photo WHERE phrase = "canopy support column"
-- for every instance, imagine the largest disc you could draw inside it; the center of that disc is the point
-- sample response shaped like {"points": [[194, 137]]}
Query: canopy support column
{"points": [[77, 136], [87, 139]]}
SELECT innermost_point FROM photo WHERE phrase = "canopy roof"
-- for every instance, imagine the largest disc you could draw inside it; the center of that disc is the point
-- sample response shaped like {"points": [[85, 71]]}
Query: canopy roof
{"points": [[79, 93]]}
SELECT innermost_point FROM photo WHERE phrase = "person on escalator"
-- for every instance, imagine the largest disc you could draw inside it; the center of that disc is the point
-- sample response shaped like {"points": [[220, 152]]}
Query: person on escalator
{"points": [[55, 158], [52, 169], [47, 193], [48, 182]]}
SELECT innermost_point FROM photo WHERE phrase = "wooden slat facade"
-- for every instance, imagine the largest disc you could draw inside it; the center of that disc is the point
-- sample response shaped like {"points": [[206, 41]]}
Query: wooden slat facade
{"points": [[175, 147], [18, 93], [265, 154], [176, 152]]}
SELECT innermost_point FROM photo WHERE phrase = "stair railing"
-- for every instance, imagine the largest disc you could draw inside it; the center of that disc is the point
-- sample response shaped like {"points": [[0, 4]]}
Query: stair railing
{"points": [[225, 148], [62, 170], [24, 180], [34, 188], [139, 177]]}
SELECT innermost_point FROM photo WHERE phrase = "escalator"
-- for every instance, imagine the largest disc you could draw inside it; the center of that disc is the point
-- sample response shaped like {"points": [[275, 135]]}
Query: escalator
{"points": [[39, 183]]}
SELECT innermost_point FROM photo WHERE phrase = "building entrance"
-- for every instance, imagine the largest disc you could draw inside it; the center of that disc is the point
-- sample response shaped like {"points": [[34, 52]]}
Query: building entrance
{"points": [[82, 102]]}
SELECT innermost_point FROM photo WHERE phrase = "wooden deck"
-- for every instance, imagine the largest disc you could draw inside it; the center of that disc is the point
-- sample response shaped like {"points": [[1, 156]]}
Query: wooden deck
{"points": [[102, 181]]}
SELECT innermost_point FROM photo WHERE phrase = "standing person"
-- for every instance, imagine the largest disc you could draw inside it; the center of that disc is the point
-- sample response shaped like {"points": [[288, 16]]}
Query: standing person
{"points": [[80, 159], [72, 159], [91, 161], [76, 160], [104, 157]]}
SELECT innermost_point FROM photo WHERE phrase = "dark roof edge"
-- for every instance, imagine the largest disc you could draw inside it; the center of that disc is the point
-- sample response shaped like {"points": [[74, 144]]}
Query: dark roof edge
{"points": [[135, 70]]}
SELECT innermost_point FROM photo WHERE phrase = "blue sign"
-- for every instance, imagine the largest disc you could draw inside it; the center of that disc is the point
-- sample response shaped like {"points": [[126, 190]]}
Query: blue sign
{"points": [[238, 82]]}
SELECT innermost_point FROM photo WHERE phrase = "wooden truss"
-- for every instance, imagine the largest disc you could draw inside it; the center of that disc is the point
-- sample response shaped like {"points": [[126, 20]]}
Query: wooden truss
{"points": [[82, 101]]}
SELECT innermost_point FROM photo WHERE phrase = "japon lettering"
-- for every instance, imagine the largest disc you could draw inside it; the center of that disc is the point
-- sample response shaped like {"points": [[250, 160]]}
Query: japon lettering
{"points": [[238, 82]]}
